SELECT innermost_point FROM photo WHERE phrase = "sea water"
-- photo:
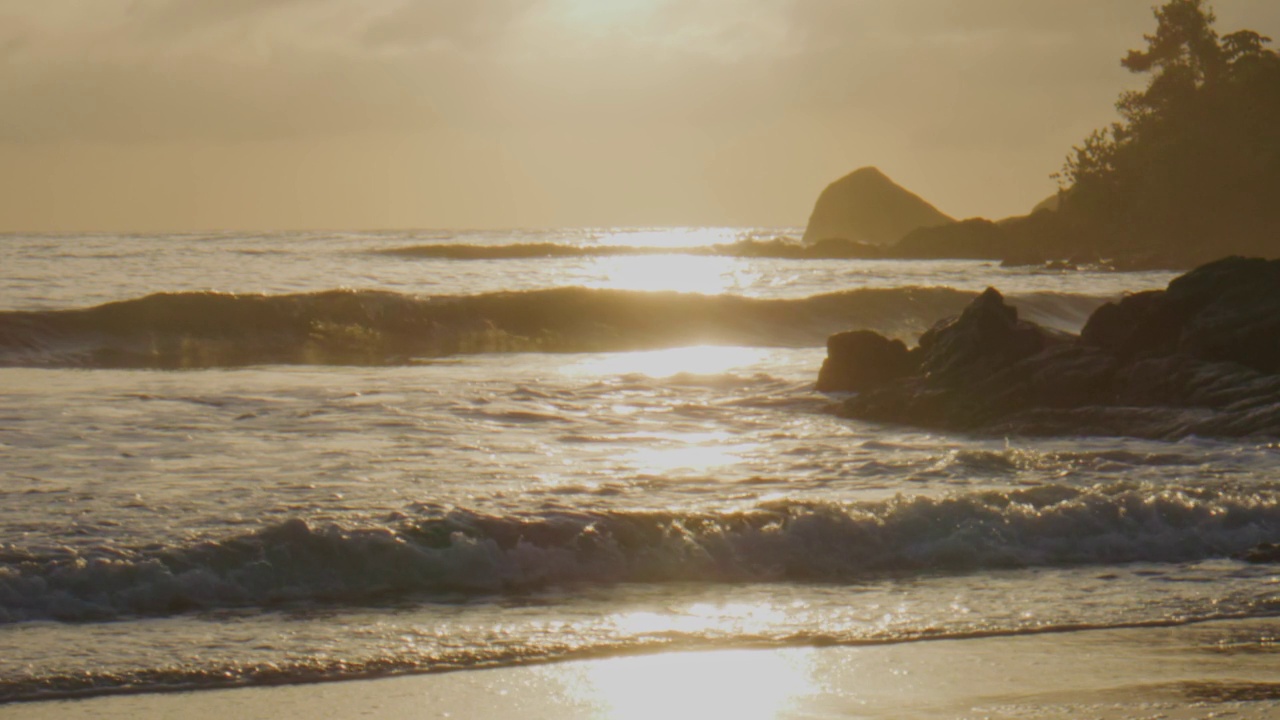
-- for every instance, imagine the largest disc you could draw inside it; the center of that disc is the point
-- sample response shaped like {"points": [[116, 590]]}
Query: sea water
{"points": [[235, 459]]}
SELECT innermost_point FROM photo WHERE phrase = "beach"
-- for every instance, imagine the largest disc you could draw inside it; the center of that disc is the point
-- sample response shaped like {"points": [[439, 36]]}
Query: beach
{"points": [[1224, 669]]}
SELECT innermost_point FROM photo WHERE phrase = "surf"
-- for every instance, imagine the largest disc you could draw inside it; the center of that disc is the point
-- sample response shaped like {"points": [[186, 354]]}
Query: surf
{"points": [[373, 327]]}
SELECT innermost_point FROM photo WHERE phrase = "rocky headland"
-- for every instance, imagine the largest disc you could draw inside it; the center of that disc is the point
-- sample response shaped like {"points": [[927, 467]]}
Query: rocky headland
{"points": [[1190, 172], [1201, 357]]}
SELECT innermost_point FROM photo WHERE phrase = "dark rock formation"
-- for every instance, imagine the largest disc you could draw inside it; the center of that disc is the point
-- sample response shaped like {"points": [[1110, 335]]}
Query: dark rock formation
{"points": [[1201, 357], [975, 238], [862, 359], [1264, 553], [986, 337], [866, 206]]}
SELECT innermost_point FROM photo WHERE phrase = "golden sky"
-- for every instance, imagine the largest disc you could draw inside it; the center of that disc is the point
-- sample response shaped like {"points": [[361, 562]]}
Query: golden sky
{"points": [[148, 115]]}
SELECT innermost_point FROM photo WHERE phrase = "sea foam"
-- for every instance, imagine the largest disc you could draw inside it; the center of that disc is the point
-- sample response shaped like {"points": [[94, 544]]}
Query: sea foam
{"points": [[464, 552]]}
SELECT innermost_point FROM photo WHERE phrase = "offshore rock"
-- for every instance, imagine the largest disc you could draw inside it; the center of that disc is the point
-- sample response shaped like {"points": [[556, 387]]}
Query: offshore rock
{"points": [[866, 206], [986, 337], [862, 359], [1199, 358]]}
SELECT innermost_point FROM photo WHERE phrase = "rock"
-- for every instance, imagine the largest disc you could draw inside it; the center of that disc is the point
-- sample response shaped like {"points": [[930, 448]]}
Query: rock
{"points": [[1228, 310], [839, 249], [1264, 553], [866, 206], [986, 337], [1139, 323], [862, 359], [975, 238], [1199, 358]]}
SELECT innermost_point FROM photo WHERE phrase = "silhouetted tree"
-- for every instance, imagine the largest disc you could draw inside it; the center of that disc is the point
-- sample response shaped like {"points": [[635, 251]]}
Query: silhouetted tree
{"points": [[1192, 169]]}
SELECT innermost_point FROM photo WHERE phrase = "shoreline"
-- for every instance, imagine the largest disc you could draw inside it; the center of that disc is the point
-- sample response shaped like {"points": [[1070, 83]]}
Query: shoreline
{"points": [[1179, 671]]}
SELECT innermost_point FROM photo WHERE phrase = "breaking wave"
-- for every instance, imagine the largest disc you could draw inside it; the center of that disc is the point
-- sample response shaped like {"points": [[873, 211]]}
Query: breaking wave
{"points": [[365, 327], [184, 330], [473, 554]]}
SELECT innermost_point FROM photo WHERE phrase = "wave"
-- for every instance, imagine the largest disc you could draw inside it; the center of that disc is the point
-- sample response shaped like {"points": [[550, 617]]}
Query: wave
{"points": [[462, 552], [778, 248], [317, 668], [1060, 311], [205, 329], [366, 327]]}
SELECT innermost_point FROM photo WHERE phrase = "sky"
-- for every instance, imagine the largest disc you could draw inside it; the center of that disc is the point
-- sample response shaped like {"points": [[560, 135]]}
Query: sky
{"points": [[171, 115]]}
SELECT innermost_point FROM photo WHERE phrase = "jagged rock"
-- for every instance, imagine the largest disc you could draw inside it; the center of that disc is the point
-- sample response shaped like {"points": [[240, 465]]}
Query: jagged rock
{"points": [[1141, 323], [862, 359], [986, 337], [866, 206], [1232, 312], [1199, 358], [1226, 310]]}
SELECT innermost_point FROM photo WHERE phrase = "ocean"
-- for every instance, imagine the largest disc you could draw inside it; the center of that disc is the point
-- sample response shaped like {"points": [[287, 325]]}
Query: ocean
{"points": [[247, 459]]}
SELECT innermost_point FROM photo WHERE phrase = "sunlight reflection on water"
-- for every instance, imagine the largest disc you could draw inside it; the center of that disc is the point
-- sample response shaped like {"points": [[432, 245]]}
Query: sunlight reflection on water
{"points": [[671, 237], [719, 684], [678, 273], [697, 360], [704, 618], [697, 458]]}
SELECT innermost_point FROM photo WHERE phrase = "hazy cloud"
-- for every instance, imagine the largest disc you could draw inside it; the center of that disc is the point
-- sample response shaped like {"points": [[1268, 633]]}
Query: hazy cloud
{"points": [[464, 24], [585, 111], [240, 69]]}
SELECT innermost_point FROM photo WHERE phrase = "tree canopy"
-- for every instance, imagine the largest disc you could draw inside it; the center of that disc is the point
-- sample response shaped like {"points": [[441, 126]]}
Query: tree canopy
{"points": [[1192, 169]]}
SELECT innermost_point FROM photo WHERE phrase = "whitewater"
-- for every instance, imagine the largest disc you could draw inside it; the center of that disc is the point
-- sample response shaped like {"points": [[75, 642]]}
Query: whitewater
{"points": [[240, 459]]}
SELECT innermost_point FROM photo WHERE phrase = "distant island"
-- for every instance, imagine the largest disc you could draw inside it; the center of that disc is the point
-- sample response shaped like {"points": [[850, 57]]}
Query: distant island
{"points": [[865, 206], [1189, 174]]}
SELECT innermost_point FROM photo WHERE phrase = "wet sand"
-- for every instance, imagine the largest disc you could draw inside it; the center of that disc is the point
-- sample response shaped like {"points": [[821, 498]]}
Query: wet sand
{"points": [[1218, 669]]}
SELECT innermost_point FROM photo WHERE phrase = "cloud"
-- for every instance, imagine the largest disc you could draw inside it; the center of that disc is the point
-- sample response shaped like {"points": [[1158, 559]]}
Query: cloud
{"points": [[463, 24], [233, 70], [635, 110]]}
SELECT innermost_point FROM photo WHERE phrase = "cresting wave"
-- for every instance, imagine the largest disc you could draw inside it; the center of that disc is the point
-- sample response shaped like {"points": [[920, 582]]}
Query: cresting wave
{"points": [[350, 327], [468, 553]]}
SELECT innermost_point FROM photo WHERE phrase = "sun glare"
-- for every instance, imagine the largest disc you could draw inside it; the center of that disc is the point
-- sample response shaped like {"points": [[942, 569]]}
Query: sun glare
{"points": [[695, 458], [678, 273], [671, 237], [705, 619], [697, 360], [596, 16], [721, 684]]}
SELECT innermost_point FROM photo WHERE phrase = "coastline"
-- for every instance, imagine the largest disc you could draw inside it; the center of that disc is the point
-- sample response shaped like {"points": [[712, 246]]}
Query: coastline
{"points": [[1216, 668]]}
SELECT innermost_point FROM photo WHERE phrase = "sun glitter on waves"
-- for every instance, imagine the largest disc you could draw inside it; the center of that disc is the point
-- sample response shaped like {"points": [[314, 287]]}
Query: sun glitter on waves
{"points": [[695, 360], [705, 274], [700, 453], [670, 237], [713, 684]]}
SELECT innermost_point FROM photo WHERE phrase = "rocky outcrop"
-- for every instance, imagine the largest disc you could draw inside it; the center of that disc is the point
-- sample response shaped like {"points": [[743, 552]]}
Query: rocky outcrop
{"points": [[1199, 358], [975, 238], [866, 206], [861, 359]]}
